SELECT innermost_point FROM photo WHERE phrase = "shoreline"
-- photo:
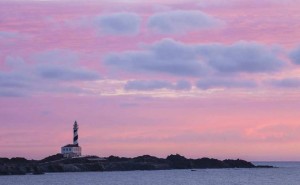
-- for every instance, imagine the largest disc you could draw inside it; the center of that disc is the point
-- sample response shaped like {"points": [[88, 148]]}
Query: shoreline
{"points": [[58, 164]]}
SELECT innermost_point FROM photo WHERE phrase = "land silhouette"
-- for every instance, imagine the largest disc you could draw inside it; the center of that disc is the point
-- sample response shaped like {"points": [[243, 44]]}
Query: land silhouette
{"points": [[57, 163]]}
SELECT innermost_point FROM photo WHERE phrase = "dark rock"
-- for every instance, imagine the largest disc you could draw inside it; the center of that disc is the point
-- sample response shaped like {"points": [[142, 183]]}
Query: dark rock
{"points": [[52, 168], [207, 163], [147, 158], [238, 163], [37, 171], [12, 170], [75, 160], [52, 158], [128, 166], [117, 159], [4, 160], [95, 167], [17, 160], [179, 162], [57, 163]]}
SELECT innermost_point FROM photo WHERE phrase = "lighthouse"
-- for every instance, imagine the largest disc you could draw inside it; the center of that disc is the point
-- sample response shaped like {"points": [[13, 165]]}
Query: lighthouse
{"points": [[75, 132], [72, 150]]}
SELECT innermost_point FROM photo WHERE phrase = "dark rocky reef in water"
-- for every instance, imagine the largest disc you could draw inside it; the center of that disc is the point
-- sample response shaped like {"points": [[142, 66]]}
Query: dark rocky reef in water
{"points": [[57, 163]]}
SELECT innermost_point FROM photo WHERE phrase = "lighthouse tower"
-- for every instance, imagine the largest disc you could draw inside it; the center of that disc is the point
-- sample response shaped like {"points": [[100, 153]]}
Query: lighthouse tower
{"points": [[75, 131], [72, 150]]}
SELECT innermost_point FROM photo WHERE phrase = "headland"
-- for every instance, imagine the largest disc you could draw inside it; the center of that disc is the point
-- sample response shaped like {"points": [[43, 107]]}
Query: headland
{"points": [[58, 163]]}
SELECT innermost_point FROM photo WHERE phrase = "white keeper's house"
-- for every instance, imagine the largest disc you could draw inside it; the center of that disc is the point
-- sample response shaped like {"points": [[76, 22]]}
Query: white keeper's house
{"points": [[72, 150]]}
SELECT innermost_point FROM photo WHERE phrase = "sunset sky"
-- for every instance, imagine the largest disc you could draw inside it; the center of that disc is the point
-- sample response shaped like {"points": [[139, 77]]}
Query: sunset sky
{"points": [[217, 78]]}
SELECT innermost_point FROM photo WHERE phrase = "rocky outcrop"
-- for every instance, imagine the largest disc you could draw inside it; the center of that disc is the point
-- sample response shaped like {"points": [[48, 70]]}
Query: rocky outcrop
{"points": [[17, 166], [238, 163], [57, 163], [179, 162]]}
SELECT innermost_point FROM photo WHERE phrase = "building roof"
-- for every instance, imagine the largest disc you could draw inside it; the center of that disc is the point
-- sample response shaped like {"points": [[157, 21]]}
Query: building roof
{"points": [[72, 145]]}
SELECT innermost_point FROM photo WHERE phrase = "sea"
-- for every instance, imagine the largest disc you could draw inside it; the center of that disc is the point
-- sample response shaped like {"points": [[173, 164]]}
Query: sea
{"points": [[285, 173]]}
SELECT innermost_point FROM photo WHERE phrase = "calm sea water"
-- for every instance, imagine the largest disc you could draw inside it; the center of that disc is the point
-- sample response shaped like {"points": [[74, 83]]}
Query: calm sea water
{"points": [[287, 173]]}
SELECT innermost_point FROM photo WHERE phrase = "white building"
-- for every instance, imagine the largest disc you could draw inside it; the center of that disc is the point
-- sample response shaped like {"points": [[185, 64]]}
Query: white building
{"points": [[72, 150]]}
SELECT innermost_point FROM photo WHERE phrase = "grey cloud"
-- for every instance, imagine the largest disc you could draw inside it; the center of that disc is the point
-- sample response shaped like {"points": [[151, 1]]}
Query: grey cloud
{"points": [[56, 57], [8, 35], [156, 84], [65, 73], [129, 105], [169, 49], [240, 57], [180, 21], [295, 55], [119, 23], [224, 83], [62, 65], [43, 75], [183, 85], [286, 83], [179, 59], [14, 84], [13, 79], [15, 62], [147, 85], [167, 56], [11, 93]]}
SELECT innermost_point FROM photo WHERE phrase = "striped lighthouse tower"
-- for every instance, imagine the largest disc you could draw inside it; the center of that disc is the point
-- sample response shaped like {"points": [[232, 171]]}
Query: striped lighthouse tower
{"points": [[75, 132], [72, 150]]}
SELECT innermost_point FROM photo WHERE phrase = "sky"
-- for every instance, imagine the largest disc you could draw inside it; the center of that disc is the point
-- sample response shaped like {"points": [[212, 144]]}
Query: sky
{"points": [[200, 78]]}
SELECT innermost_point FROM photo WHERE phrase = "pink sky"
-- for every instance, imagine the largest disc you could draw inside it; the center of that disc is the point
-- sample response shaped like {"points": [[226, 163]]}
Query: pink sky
{"points": [[218, 79]]}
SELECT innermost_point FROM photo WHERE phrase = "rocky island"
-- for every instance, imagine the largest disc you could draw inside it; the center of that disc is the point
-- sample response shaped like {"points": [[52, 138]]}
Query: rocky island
{"points": [[57, 163]]}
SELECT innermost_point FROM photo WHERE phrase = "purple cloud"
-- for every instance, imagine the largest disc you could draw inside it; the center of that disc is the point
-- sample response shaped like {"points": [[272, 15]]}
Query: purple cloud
{"points": [[179, 59], [166, 56], [224, 83], [295, 55], [240, 57], [7, 35], [14, 84], [62, 65], [183, 85], [47, 73], [180, 21], [119, 23], [156, 84], [286, 83], [66, 73], [13, 79]]}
